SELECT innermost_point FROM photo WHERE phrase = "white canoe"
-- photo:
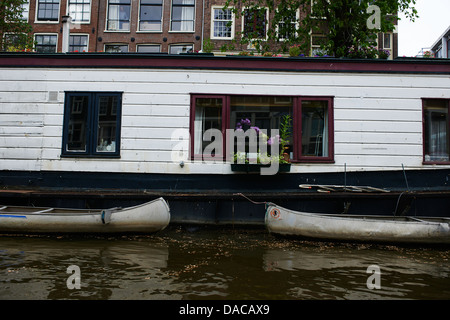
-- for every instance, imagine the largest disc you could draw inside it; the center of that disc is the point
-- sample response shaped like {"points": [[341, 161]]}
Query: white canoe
{"points": [[145, 218], [283, 221]]}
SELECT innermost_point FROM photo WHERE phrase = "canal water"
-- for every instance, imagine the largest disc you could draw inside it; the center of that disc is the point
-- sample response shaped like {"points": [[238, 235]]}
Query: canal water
{"points": [[211, 263]]}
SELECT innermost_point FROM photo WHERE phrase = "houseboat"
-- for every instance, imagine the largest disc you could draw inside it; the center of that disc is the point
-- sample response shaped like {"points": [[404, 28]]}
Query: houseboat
{"points": [[95, 130]]}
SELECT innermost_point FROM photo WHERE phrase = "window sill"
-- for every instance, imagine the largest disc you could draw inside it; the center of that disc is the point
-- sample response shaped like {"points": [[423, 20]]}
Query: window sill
{"points": [[95, 156]]}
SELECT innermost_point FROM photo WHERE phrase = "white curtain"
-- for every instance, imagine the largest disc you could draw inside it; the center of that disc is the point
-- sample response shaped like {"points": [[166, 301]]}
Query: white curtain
{"points": [[187, 16], [199, 125]]}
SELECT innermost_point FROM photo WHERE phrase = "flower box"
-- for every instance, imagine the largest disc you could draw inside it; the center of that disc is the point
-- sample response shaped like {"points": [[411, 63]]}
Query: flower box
{"points": [[256, 167]]}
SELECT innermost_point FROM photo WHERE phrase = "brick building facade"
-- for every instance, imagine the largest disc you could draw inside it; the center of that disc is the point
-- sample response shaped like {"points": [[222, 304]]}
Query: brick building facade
{"points": [[167, 26]]}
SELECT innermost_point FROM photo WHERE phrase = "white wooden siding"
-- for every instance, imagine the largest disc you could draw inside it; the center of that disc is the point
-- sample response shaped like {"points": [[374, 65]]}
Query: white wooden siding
{"points": [[377, 118]]}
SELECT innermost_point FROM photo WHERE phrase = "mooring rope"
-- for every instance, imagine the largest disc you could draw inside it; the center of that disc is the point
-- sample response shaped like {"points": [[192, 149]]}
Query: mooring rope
{"points": [[254, 202]]}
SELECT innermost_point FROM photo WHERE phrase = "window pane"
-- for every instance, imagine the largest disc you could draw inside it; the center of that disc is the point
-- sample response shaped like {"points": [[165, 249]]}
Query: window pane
{"points": [[436, 130], [261, 113], [78, 121], [315, 128], [149, 48], [208, 115], [255, 23], [107, 122]]}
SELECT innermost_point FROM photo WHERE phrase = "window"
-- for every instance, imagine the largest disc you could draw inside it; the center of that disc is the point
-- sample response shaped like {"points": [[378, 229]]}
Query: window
{"points": [[317, 40], [48, 10], [150, 48], [286, 28], [45, 43], [116, 48], [78, 43], [183, 15], [92, 124], [118, 15], [181, 48], [80, 10], [150, 15], [436, 130], [255, 21], [309, 135], [26, 10], [222, 24]]}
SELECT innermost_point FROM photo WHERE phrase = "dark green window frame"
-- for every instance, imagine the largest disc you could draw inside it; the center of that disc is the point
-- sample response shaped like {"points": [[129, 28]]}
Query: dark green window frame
{"points": [[92, 122]]}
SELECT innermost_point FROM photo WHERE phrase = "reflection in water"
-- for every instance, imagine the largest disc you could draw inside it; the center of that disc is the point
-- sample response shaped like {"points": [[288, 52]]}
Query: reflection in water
{"points": [[216, 264]]}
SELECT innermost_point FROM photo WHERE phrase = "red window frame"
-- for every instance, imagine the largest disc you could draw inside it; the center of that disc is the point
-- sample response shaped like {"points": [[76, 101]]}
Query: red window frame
{"points": [[431, 162], [298, 157]]}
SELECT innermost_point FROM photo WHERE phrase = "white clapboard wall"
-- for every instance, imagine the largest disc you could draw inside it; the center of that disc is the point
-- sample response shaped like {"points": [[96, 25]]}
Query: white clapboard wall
{"points": [[377, 117]]}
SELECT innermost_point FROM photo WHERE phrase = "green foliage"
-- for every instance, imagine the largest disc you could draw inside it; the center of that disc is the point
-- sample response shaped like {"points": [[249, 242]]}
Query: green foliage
{"points": [[15, 33], [344, 22]]}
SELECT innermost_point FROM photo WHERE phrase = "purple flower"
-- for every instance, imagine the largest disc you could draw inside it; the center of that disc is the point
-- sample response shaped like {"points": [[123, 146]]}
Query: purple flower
{"points": [[256, 129], [246, 122]]}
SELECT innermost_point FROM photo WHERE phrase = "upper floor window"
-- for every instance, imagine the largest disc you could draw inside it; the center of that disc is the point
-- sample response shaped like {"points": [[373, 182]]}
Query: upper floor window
{"points": [[255, 23], [92, 124], [26, 10], [222, 23], [118, 15], [436, 130], [47, 10], [150, 15], [183, 15], [80, 10]]}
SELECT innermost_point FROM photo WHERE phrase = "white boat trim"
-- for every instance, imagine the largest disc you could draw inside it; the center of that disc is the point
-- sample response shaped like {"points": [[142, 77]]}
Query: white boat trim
{"points": [[398, 229], [148, 217]]}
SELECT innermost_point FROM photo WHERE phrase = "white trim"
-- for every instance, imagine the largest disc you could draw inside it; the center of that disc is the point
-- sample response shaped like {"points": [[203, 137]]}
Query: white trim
{"points": [[170, 19], [116, 44], [46, 21], [106, 19], [148, 44], [82, 22], [46, 34], [297, 17], [80, 34], [233, 23], [267, 22], [139, 20]]}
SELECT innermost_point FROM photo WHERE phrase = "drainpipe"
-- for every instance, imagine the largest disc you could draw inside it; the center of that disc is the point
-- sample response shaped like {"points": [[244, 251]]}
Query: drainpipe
{"points": [[203, 24], [66, 33]]}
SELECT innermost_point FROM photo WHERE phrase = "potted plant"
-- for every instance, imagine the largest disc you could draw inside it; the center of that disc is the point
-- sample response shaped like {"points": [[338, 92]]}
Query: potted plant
{"points": [[247, 162]]}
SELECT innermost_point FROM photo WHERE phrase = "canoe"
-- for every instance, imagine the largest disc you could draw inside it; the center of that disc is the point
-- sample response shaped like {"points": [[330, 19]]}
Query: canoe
{"points": [[341, 227], [149, 217]]}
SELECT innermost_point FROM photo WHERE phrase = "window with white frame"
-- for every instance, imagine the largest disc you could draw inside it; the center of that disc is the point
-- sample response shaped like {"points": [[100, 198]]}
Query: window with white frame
{"points": [[286, 28], [149, 48], [80, 10], [150, 15], [45, 43], [26, 9], [116, 48], [78, 43], [255, 23], [222, 23], [47, 10], [181, 48], [118, 18], [183, 15]]}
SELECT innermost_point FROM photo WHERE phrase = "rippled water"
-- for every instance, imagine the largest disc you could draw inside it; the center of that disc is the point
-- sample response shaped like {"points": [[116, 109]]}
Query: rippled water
{"points": [[216, 263]]}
